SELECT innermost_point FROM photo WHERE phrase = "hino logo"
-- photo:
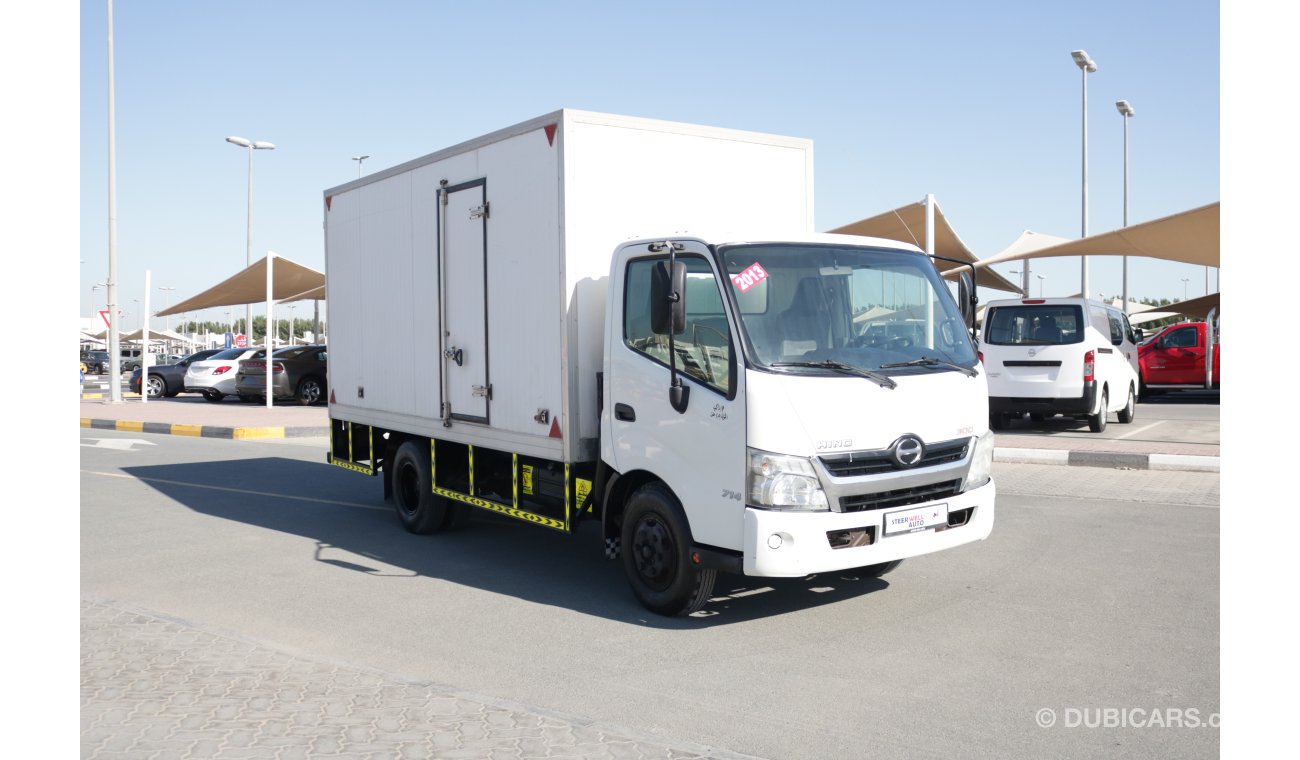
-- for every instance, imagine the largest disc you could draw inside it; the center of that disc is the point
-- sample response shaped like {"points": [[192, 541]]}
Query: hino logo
{"points": [[907, 451]]}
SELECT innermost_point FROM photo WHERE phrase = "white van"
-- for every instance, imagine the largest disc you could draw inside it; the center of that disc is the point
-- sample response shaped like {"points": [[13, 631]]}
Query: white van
{"points": [[1049, 356]]}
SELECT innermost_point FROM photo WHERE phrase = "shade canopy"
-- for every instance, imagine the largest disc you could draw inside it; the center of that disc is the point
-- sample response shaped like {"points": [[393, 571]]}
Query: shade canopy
{"points": [[138, 335], [906, 224], [1196, 307], [290, 281], [1191, 237]]}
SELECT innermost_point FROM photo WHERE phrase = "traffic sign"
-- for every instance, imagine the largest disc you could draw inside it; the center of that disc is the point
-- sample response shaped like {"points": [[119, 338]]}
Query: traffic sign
{"points": [[241, 341], [103, 314]]}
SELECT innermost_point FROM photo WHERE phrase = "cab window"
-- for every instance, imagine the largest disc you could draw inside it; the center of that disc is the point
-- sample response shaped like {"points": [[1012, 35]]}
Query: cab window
{"points": [[704, 348]]}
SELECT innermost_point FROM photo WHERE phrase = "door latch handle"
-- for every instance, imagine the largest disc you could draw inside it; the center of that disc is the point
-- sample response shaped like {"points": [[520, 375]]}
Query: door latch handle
{"points": [[624, 412], [455, 354]]}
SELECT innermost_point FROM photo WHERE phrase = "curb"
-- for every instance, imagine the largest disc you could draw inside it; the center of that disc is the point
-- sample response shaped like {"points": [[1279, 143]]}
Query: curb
{"points": [[205, 431], [1112, 459]]}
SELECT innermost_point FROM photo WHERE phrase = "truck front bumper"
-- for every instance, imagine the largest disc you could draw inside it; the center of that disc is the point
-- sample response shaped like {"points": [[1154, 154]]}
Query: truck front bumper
{"points": [[781, 544]]}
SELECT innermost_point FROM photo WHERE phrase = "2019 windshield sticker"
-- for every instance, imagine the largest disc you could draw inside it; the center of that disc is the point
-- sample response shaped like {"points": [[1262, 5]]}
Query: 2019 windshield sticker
{"points": [[753, 274]]}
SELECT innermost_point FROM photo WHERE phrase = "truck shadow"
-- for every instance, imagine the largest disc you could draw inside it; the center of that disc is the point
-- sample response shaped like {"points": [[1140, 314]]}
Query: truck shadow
{"points": [[354, 530]]}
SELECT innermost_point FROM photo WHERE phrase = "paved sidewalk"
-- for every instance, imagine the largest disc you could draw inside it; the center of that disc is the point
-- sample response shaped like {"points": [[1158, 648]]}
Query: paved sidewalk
{"points": [[159, 689]]}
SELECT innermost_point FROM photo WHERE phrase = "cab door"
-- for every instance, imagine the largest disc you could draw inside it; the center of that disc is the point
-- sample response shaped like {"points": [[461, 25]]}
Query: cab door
{"points": [[467, 392], [699, 452]]}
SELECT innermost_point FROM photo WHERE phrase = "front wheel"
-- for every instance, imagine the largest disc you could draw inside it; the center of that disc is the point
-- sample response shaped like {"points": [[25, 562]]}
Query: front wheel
{"points": [[155, 386], [1097, 422], [657, 554]]}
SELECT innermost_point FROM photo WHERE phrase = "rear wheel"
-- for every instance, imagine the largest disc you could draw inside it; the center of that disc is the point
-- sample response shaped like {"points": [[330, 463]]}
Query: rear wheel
{"points": [[1097, 422], [999, 420], [417, 506], [1126, 414], [657, 554], [311, 391], [213, 396]]}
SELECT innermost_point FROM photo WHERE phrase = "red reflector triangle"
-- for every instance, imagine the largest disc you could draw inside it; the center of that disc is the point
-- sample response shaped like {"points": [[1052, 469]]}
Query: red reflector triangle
{"points": [[550, 140], [332, 401], [328, 199], [555, 428]]}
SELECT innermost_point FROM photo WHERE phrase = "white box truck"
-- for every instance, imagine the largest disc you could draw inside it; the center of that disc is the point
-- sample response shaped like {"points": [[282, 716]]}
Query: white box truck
{"points": [[588, 316]]}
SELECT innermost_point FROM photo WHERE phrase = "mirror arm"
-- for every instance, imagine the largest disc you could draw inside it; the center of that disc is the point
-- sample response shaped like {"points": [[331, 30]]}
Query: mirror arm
{"points": [[679, 395]]}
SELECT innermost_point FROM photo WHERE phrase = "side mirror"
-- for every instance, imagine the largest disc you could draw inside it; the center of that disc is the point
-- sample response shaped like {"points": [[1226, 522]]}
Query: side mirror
{"points": [[966, 300], [668, 298], [1140, 335]]}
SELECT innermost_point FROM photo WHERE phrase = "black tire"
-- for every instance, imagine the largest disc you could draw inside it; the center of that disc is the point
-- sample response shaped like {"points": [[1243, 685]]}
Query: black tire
{"points": [[311, 391], [1037, 416], [1097, 422], [999, 420], [418, 508], [657, 554], [155, 386], [213, 396], [1126, 414], [875, 571]]}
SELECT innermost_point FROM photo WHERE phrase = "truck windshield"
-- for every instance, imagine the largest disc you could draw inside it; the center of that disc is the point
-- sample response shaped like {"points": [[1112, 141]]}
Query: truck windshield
{"points": [[873, 309]]}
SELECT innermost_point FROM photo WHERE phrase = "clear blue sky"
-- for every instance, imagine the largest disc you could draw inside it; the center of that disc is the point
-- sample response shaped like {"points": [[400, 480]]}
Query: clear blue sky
{"points": [[979, 105]]}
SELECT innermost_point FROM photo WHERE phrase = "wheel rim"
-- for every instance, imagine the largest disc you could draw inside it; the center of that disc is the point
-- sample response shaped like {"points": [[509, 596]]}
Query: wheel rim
{"points": [[1128, 408], [654, 552], [311, 391], [407, 488], [155, 387]]}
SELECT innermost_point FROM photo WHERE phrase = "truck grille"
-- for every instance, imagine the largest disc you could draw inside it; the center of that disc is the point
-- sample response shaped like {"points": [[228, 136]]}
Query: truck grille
{"points": [[876, 461], [901, 497]]}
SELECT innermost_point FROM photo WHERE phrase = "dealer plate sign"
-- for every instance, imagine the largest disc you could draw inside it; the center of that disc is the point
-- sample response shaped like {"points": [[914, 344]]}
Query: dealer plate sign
{"points": [[912, 520]]}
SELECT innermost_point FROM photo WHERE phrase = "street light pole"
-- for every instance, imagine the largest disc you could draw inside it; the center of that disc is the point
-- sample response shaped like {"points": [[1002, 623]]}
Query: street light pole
{"points": [[1184, 288], [1125, 110], [1087, 66], [359, 159], [251, 145], [167, 321], [1041, 277]]}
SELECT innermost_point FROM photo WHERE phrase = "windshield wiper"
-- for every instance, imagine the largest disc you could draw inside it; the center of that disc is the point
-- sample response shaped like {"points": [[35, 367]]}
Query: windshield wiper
{"points": [[875, 377], [926, 361]]}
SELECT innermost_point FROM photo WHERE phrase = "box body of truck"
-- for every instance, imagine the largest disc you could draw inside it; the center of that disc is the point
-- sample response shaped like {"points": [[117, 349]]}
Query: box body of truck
{"points": [[497, 250]]}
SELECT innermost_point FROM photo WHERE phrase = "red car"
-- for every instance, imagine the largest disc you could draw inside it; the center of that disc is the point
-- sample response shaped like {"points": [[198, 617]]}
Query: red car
{"points": [[1176, 358]]}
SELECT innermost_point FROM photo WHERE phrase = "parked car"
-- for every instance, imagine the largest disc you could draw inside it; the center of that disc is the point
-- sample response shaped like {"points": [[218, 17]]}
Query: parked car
{"points": [[169, 379], [1049, 356], [1176, 357], [214, 377], [297, 372], [96, 362]]}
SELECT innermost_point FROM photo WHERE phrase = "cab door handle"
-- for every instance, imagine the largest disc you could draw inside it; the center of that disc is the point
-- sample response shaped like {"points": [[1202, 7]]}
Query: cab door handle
{"points": [[624, 412]]}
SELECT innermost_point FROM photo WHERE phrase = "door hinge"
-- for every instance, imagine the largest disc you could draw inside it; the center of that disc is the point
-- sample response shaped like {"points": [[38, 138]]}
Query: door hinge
{"points": [[483, 391], [481, 212]]}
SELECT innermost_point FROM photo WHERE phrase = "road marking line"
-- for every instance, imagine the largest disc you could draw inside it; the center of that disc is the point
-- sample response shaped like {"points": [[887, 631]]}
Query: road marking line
{"points": [[234, 490], [1157, 423]]}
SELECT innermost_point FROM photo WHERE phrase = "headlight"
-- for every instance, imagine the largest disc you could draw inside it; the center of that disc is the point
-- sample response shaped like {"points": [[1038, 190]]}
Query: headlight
{"points": [[781, 482], [981, 462]]}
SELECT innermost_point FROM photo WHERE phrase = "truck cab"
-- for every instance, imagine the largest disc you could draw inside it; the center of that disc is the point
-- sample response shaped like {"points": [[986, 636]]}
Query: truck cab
{"points": [[786, 408], [1180, 356]]}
